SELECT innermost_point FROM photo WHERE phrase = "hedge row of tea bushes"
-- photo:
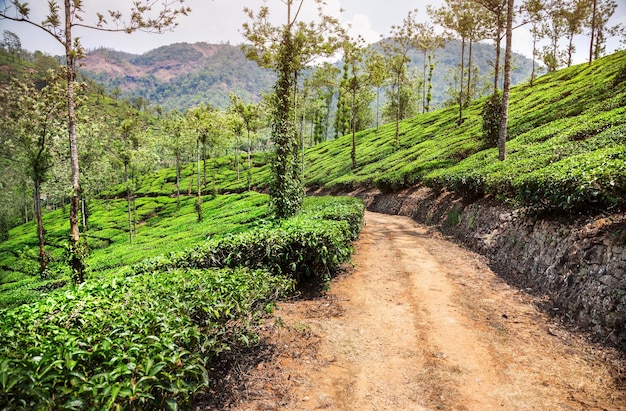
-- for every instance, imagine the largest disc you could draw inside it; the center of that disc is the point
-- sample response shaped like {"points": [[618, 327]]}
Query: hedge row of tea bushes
{"points": [[139, 342], [309, 246], [145, 337], [163, 226]]}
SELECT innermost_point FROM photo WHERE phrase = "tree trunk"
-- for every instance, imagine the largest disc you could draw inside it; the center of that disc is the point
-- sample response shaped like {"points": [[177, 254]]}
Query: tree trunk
{"points": [[236, 153], [593, 29], [532, 74], [249, 161], [354, 111], [507, 83], [461, 82], [43, 257], [76, 258], [199, 199], [431, 68], [129, 204], [424, 88], [83, 212], [377, 107], [469, 73], [496, 65], [286, 190], [398, 108], [204, 163], [178, 180], [569, 50]]}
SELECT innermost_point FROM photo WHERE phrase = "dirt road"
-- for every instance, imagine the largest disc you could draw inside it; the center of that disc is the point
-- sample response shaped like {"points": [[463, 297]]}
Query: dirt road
{"points": [[422, 324]]}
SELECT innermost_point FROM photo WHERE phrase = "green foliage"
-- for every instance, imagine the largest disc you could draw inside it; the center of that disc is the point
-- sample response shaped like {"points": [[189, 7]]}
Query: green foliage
{"points": [[492, 112], [309, 246], [146, 337], [162, 228], [138, 342]]}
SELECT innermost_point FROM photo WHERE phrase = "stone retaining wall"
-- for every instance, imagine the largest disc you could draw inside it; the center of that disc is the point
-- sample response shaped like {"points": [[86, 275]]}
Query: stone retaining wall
{"points": [[580, 266]]}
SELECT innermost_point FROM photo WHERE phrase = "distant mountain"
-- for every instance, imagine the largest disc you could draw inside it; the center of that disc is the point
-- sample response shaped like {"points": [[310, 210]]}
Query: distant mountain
{"points": [[179, 75], [183, 75]]}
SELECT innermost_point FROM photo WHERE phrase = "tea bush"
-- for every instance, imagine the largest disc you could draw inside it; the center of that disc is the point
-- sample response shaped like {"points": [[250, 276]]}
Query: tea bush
{"points": [[310, 245], [137, 342]]}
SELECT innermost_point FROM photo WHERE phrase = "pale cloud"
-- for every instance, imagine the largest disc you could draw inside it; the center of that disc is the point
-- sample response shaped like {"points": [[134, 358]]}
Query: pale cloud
{"points": [[360, 25]]}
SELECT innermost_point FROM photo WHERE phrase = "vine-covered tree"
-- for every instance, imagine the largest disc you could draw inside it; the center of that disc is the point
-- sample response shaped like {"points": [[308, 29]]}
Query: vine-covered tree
{"points": [[427, 42], [60, 21], [287, 49], [342, 113]]}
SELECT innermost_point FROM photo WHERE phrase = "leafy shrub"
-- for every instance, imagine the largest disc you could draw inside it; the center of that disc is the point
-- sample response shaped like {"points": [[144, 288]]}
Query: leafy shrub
{"points": [[310, 245], [492, 112], [592, 181], [140, 342]]}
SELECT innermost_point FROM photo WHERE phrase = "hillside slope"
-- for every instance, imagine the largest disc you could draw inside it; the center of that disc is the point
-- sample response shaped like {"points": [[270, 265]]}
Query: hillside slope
{"points": [[566, 147]]}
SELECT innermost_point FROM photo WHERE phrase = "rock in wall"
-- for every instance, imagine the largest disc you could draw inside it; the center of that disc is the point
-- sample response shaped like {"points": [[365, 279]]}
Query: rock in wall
{"points": [[578, 264]]}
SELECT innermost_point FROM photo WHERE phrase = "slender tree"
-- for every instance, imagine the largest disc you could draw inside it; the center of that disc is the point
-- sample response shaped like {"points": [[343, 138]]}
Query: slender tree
{"points": [[457, 16], [599, 28], [125, 145], [402, 40], [62, 18], [31, 119], [498, 9], [198, 120], [287, 49], [377, 76], [504, 116], [342, 113], [354, 57], [575, 13], [324, 80], [427, 42], [533, 12], [177, 142], [554, 28], [251, 116]]}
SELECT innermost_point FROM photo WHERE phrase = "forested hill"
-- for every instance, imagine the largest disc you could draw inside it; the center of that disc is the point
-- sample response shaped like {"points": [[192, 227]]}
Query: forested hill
{"points": [[183, 75], [180, 75]]}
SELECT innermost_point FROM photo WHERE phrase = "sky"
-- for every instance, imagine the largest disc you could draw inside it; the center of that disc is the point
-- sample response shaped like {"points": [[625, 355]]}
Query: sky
{"points": [[220, 21]]}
